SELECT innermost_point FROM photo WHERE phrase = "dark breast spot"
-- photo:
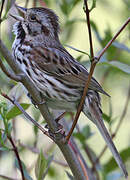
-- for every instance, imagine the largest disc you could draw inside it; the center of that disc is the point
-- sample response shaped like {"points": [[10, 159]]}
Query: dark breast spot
{"points": [[24, 61], [23, 51], [28, 72], [34, 70], [19, 60]]}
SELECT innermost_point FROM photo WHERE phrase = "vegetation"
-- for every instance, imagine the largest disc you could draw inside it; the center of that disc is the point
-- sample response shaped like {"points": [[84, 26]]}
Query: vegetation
{"points": [[25, 152]]}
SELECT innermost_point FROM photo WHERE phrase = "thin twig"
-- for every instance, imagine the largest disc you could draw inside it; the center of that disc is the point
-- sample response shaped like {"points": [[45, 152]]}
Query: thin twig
{"points": [[34, 3], [26, 3], [8, 73], [113, 39], [8, 178], [87, 11], [83, 167], [26, 114], [2, 5], [86, 149], [80, 160], [93, 64], [118, 125], [17, 156], [82, 99]]}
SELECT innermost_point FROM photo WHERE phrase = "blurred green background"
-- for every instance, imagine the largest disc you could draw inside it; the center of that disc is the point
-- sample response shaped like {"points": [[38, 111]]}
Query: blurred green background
{"points": [[113, 72]]}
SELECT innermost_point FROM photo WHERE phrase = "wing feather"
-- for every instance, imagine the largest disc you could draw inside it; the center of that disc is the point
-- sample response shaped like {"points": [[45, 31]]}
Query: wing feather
{"points": [[57, 62]]}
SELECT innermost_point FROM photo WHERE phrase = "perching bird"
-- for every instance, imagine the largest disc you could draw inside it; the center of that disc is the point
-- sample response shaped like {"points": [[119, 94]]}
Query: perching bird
{"points": [[56, 74]]}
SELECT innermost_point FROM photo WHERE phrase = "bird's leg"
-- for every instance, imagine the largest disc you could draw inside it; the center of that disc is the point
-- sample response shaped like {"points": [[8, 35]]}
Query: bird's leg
{"points": [[60, 127], [60, 117]]}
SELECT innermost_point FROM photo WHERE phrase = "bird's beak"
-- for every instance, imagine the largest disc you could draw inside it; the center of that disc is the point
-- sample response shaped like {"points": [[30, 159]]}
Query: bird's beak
{"points": [[22, 11]]}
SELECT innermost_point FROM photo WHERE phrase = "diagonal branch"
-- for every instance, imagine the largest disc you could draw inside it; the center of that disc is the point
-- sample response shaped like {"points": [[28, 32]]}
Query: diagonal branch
{"points": [[87, 11], [17, 156], [26, 114], [94, 61], [113, 39], [93, 64], [10, 74]]}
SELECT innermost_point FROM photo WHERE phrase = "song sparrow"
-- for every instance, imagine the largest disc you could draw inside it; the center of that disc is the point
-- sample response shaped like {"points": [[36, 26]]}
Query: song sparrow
{"points": [[57, 75]]}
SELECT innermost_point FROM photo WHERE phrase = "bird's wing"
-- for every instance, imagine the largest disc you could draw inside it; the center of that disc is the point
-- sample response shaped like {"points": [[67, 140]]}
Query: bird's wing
{"points": [[57, 62]]}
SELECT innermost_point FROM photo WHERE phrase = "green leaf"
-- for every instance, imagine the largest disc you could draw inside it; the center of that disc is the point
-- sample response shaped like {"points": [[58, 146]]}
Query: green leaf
{"points": [[4, 149], [93, 5], [86, 131], [15, 111], [123, 67], [3, 138], [79, 136], [121, 46], [117, 65], [75, 49], [112, 165], [27, 176], [49, 161], [67, 6], [84, 134], [106, 117], [41, 166]]}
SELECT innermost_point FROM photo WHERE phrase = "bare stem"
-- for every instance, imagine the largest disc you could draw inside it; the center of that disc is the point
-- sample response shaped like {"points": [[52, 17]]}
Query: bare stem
{"points": [[8, 178], [26, 114], [113, 39], [87, 12], [8, 73], [17, 156], [2, 5], [93, 64]]}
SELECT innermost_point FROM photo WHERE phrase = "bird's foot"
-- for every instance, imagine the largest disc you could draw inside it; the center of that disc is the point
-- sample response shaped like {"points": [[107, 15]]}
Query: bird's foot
{"points": [[60, 130]]}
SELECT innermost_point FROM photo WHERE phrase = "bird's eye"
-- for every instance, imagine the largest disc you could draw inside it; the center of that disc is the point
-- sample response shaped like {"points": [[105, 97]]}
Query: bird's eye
{"points": [[33, 17]]}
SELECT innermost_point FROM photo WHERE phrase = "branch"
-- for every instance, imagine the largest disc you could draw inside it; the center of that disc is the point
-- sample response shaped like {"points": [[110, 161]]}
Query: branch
{"points": [[94, 61], [17, 156], [65, 148], [11, 75], [113, 39], [2, 5], [26, 114], [93, 64], [6, 177], [87, 11]]}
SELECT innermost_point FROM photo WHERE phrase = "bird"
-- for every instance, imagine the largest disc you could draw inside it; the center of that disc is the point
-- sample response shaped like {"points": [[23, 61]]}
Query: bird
{"points": [[57, 75]]}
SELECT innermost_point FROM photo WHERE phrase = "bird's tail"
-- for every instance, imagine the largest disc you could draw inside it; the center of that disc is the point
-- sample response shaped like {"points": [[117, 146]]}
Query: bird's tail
{"points": [[94, 113]]}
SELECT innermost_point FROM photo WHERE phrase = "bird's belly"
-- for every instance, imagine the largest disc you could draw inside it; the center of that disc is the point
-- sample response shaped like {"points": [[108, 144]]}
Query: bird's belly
{"points": [[62, 105]]}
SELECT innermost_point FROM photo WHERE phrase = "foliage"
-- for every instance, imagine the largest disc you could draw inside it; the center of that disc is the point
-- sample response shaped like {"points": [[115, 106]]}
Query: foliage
{"points": [[114, 63]]}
